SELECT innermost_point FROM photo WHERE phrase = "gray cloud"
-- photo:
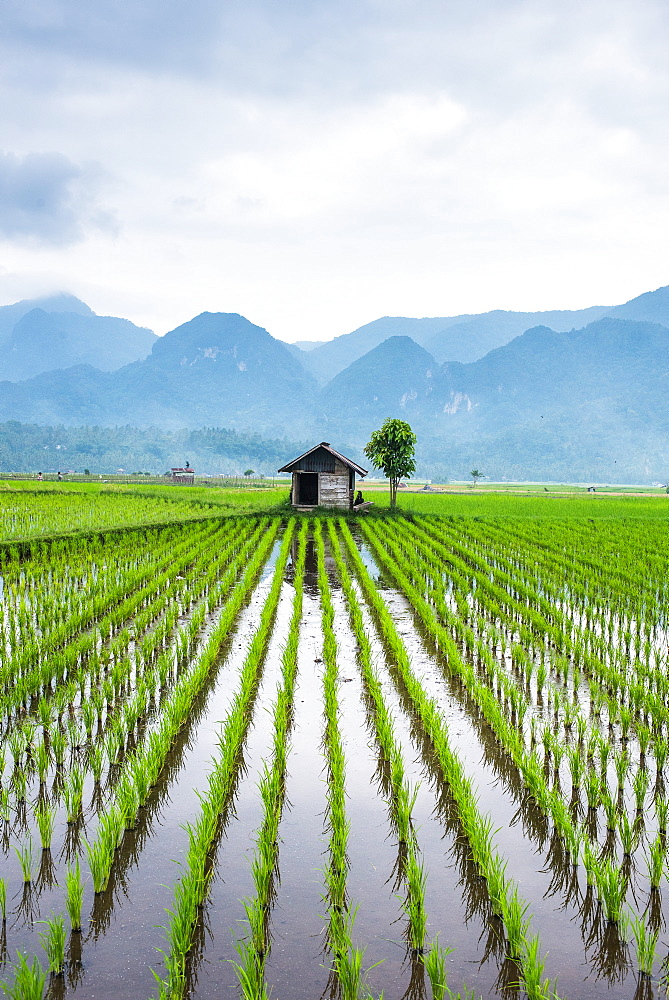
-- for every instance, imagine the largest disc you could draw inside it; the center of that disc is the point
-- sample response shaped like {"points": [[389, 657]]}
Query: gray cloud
{"points": [[45, 198]]}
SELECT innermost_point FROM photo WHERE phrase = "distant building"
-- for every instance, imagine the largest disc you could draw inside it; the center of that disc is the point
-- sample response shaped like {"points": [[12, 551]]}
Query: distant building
{"points": [[323, 478], [184, 476]]}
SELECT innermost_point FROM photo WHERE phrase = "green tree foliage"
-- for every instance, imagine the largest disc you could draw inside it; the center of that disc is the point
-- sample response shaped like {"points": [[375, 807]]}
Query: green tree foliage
{"points": [[102, 450], [392, 449]]}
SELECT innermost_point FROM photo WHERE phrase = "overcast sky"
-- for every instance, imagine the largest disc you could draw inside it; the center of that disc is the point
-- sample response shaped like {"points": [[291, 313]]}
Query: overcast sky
{"points": [[315, 165]]}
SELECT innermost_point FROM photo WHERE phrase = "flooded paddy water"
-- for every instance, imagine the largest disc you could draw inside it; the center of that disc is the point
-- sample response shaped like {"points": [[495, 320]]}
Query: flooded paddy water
{"points": [[567, 758]]}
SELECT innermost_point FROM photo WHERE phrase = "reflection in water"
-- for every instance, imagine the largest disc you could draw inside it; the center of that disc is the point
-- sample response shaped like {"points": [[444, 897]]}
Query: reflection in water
{"points": [[72, 841], [644, 988], [610, 956], [416, 988], [46, 877], [563, 872], [653, 913], [509, 979], [27, 909], [104, 902], [75, 967]]}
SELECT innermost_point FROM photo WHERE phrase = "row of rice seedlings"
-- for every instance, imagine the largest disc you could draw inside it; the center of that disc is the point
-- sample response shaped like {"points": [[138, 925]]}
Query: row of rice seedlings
{"points": [[403, 795], [162, 590], [191, 889], [611, 882], [102, 590], [505, 730], [144, 766], [579, 754], [609, 661], [523, 947], [254, 949], [64, 657], [347, 958], [53, 743]]}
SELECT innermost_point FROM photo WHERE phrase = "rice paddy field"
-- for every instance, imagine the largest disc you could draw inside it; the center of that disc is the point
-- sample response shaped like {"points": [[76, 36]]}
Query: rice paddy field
{"points": [[417, 755]]}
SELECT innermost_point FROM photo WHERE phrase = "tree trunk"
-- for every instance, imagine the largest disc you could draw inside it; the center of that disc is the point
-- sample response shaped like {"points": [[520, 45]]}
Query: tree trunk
{"points": [[393, 492]]}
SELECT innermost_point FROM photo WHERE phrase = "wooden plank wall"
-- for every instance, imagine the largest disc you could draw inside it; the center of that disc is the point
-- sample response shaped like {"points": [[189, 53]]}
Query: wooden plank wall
{"points": [[334, 489]]}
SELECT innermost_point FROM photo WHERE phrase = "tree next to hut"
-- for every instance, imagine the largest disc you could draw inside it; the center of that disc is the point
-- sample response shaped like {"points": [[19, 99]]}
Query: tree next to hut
{"points": [[323, 478]]}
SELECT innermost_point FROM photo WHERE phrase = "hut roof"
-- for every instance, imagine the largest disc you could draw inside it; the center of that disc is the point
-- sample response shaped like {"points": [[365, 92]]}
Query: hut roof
{"points": [[326, 447]]}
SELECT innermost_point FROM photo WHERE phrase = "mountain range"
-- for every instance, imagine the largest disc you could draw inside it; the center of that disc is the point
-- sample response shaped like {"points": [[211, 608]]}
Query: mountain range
{"points": [[40, 335], [552, 395]]}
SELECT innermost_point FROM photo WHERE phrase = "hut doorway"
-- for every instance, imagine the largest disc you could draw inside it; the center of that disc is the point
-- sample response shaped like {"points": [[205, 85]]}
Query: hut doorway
{"points": [[307, 489]]}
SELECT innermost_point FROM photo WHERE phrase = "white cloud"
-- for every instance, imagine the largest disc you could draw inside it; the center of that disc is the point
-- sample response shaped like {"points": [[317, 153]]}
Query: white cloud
{"points": [[316, 165]]}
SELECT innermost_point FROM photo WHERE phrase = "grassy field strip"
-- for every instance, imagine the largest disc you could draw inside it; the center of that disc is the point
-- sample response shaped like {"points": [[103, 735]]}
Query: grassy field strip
{"points": [[142, 768], [191, 889], [611, 878], [523, 947], [50, 513], [272, 788]]}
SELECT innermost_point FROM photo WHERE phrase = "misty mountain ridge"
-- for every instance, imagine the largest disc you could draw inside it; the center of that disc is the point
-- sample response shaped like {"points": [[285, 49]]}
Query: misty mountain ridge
{"points": [[589, 402], [59, 331]]}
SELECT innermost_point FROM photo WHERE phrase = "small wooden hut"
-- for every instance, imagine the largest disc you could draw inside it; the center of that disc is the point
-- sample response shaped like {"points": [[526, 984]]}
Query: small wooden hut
{"points": [[323, 478]]}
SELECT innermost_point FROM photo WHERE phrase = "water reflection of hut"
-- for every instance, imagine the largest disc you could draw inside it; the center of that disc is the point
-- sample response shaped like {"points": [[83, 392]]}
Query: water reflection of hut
{"points": [[323, 478]]}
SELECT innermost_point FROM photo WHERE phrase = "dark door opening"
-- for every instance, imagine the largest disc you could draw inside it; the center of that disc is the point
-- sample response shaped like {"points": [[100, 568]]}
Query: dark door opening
{"points": [[307, 489]]}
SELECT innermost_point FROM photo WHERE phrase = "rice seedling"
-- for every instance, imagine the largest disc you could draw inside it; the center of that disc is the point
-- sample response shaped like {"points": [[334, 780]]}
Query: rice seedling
{"points": [[640, 785], [516, 923], [73, 795], [3, 899], [434, 961], [646, 946], [662, 812], [628, 834], [29, 980], [74, 898], [24, 853], [5, 808], [414, 904], [612, 889], [45, 816], [53, 942]]}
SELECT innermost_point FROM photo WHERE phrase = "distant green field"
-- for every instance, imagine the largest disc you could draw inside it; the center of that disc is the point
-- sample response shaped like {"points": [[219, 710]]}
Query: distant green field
{"points": [[32, 510], [539, 505]]}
